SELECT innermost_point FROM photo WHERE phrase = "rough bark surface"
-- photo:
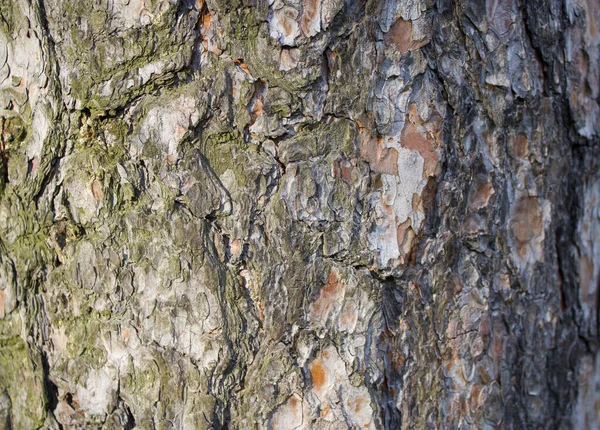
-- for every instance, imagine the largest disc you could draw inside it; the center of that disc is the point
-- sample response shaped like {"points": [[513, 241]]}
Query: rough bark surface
{"points": [[299, 214]]}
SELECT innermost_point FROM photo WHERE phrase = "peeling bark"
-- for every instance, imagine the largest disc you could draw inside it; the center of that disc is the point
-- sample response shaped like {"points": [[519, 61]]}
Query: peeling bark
{"points": [[312, 214]]}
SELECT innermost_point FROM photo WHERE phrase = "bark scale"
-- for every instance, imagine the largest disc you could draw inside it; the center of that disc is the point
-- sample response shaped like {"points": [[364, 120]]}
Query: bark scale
{"points": [[313, 214]]}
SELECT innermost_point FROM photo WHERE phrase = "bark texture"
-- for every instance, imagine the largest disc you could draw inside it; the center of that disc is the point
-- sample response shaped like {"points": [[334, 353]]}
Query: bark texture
{"points": [[299, 214]]}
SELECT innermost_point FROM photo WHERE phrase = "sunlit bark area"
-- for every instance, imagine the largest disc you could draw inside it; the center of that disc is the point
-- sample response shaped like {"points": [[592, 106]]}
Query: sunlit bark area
{"points": [[299, 214]]}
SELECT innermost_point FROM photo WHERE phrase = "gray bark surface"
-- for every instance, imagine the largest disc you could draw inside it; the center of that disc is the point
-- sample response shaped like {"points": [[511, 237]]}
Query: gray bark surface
{"points": [[299, 214]]}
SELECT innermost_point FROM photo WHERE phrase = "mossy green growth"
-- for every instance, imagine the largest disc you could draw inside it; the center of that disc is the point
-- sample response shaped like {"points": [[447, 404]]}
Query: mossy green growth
{"points": [[13, 164], [167, 42], [23, 383], [8, 17], [10, 328], [13, 131], [336, 137], [31, 252], [82, 332], [267, 68], [339, 136], [219, 150], [117, 128], [242, 23]]}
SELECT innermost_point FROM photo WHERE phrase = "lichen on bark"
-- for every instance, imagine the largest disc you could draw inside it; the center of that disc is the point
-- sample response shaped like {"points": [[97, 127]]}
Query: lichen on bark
{"points": [[311, 214]]}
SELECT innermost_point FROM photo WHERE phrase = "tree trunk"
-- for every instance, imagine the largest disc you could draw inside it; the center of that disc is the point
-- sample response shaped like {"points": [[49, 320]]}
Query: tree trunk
{"points": [[299, 214]]}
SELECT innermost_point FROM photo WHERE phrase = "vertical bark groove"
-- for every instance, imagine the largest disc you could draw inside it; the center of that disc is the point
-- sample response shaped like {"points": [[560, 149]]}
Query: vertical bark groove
{"points": [[299, 214]]}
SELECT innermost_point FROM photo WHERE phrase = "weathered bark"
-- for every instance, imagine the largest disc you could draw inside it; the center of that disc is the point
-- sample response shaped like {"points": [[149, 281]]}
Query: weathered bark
{"points": [[311, 214]]}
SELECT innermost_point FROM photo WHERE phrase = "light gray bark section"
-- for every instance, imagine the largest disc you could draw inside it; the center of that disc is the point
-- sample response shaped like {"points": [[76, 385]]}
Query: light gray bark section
{"points": [[315, 214]]}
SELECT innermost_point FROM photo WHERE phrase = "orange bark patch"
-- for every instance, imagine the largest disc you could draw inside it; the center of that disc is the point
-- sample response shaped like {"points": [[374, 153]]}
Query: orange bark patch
{"points": [[380, 159], [35, 163], [289, 58], [413, 114], [481, 192], [400, 35], [287, 22], [452, 360], [586, 275], [497, 346], [358, 408], [245, 67], [397, 359], [413, 139], [287, 27], [257, 108], [357, 403], [527, 224], [401, 231], [97, 190], [206, 18], [348, 316], [519, 146], [591, 11], [317, 374], [236, 246], [310, 20], [476, 397], [332, 285], [180, 131], [342, 169], [329, 294], [416, 202], [453, 286], [289, 415]]}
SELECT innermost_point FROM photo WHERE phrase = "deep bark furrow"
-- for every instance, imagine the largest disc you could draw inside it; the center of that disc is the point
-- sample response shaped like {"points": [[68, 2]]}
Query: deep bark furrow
{"points": [[312, 214]]}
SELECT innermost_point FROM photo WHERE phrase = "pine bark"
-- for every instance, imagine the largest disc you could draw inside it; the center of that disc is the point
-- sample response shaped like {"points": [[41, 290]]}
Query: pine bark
{"points": [[299, 214]]}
